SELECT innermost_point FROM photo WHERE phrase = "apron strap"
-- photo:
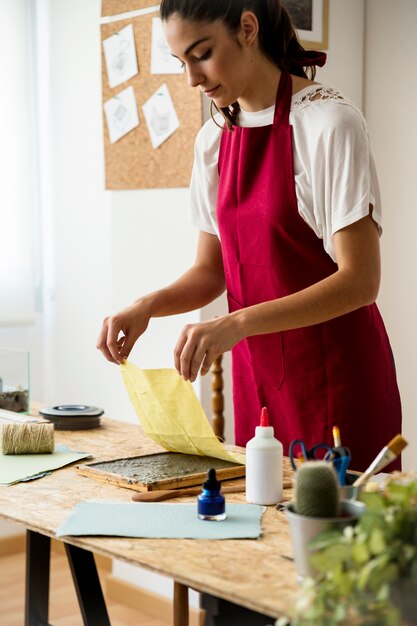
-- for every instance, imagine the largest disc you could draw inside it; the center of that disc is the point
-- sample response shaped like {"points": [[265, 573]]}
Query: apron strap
{"points": [[283, 99], [284, 92]]}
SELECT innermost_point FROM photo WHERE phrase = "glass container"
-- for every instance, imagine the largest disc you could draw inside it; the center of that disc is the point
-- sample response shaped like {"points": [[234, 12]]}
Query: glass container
{"points": [[14, 380]]}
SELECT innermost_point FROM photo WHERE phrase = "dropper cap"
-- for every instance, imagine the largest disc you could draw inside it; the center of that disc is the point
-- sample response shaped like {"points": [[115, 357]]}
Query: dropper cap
{"points": [[211, 484], [264, 429]]}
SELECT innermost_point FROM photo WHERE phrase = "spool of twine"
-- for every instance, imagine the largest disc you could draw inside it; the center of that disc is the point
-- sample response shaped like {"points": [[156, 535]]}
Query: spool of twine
{"points": [[27, 438]]}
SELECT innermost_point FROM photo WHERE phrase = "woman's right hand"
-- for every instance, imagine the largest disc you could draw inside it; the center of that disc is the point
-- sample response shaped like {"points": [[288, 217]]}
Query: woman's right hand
{"points": [[120, 332]]}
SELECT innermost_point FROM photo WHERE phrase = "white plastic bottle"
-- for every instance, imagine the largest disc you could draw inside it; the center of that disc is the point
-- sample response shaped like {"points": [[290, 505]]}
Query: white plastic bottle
{"points": [[264, 473]]}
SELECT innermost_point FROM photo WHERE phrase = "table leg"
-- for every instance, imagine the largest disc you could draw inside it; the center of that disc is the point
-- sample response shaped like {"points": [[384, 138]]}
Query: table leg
{"points": [[87, 585], [38, 551], [180, 604], [222, 613]]}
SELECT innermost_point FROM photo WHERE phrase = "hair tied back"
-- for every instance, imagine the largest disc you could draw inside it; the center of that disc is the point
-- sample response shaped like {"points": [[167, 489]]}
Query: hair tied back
{"points": [[309, 58]]}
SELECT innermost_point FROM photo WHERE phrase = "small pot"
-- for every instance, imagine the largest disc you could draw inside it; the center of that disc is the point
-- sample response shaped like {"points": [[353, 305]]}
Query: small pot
{"points": [[304, 529]]}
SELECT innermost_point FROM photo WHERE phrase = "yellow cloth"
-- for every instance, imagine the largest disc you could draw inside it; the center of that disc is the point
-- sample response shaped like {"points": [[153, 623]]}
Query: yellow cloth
{"points": [[171, 413]]}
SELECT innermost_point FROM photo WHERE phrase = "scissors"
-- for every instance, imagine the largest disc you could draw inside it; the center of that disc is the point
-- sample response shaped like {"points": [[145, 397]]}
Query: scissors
{"points": [[340, 456], [309, 453]]}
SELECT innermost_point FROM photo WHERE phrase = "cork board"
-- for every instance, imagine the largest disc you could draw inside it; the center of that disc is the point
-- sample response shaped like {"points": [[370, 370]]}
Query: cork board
{"points": [[163, 470], [114, 7], [132, 162]]}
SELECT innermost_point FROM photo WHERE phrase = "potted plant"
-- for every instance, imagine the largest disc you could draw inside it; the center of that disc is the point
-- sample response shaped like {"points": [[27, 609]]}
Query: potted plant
{"points": [[316, 508], [367, 573]]}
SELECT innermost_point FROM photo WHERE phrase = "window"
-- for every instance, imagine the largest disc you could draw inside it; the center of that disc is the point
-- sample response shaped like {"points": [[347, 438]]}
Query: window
{"points": [[17, 191]]}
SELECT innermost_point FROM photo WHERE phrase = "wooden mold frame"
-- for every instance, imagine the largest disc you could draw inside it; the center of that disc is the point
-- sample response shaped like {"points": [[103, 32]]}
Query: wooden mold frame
{"points": [[176, 480]]}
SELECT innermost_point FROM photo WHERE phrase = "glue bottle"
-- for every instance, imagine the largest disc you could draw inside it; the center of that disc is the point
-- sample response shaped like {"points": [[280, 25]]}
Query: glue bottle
{"points": [[264, 473]]}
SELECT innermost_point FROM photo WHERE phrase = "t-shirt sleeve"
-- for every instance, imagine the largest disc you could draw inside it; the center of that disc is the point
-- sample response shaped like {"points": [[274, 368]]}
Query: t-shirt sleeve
{"points": [[338, 177], [205, 179]]}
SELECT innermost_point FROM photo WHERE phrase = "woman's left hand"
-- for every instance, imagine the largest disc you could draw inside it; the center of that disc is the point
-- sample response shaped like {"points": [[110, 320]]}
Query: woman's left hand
{"points": [[199, 344]]}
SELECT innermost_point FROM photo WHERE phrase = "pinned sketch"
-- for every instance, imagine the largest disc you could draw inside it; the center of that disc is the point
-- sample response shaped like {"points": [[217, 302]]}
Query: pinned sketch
{"points": [[120, 55], [121, 114], [162, 61], [160, 116]]}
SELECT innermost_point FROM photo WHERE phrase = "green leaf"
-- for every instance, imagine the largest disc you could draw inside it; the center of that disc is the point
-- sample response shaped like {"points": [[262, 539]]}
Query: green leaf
{"points": [[320, 561], [377, 543], [370, 570], [343, 583], [339, 552], [383, 593], [371, 520], [373, 500], [360, 553], [325, 539], [382, 576]]}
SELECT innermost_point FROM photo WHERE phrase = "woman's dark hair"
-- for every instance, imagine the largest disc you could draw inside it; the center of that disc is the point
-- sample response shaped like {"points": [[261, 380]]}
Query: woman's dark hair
{"points": [[277, 37]]}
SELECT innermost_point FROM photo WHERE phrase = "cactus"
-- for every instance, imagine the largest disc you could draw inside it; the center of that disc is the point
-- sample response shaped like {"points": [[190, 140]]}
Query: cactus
{"points": [[316, 490]]}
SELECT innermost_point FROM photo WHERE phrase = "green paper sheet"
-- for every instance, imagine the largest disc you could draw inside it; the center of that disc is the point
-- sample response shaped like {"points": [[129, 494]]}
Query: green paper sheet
{"points": [[17, 467], [160, 521], [171, 413]]}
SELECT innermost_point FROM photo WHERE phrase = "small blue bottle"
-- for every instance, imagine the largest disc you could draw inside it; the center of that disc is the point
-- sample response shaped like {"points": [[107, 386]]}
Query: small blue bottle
{"points": [[210, 503]]}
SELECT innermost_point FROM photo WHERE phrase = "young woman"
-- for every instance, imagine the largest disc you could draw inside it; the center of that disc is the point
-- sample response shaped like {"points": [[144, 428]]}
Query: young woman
{"points": [[285, 196]]}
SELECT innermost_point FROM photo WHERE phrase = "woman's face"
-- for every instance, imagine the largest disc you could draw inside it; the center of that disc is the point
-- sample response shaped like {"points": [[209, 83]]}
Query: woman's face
{"points": [[216, 60]]}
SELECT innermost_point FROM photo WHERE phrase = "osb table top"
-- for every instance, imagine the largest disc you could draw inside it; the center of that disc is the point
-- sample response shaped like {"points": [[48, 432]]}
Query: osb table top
{"points": [[257, 574]]}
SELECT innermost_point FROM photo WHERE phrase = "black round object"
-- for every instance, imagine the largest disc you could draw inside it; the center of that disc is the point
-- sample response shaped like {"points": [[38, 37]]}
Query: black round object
{"points": [[72, 416]]}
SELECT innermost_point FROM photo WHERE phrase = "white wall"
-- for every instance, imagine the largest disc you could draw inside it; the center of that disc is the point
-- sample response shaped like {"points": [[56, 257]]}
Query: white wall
{"points": [[344, 66], [391, 110]]}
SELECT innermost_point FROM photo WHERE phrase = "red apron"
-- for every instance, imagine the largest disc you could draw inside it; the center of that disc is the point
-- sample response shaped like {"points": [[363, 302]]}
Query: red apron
{"points": [[340, 372]]}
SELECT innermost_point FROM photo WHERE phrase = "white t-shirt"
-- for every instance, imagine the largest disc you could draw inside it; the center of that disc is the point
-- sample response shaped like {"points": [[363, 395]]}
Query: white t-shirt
{"points": [[335, 177]]}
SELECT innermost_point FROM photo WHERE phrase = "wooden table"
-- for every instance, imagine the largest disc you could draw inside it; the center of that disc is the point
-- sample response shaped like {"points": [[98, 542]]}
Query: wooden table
{"points": [[258, 575]]}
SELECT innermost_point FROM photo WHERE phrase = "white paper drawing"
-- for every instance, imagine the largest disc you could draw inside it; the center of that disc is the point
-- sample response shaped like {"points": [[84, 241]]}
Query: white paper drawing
{"points": [[160, 116], [120, 55], [162, 61], [121, 114]]}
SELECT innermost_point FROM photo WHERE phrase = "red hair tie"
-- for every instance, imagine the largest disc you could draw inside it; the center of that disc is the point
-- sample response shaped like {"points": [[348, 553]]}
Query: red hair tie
{"points": [[310, 57]]}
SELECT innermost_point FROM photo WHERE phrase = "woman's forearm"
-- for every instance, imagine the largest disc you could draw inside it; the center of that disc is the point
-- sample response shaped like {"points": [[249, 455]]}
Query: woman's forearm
{"points": [[194, 289], [336, 295], [353, 285]]}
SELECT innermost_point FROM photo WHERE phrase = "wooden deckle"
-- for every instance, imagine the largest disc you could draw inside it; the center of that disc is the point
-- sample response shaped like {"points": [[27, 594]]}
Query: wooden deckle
{"points": [[163, 470]]}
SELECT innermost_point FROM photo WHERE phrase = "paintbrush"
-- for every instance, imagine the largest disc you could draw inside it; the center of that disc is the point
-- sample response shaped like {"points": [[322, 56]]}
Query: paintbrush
{"points": [[167, 494], [387, 454]]}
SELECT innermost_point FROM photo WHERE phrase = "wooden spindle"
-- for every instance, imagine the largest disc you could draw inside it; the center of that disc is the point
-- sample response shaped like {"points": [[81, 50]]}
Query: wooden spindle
{"points": [[217, 398]]}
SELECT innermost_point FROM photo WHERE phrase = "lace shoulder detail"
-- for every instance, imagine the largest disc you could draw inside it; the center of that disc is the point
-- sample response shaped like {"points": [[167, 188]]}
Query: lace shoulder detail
{"points": [[317, 93]]}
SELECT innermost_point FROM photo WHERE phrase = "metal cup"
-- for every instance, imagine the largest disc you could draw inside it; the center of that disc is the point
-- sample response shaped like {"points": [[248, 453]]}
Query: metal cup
{"points": [[349, 492], [304, 529]]}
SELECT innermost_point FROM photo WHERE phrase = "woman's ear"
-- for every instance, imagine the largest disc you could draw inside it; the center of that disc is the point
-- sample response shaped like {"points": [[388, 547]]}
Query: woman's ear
{"points": [[249, 28]]}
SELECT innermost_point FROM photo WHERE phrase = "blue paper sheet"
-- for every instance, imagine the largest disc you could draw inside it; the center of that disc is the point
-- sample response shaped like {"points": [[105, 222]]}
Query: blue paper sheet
{"points": [[160, 520]]}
